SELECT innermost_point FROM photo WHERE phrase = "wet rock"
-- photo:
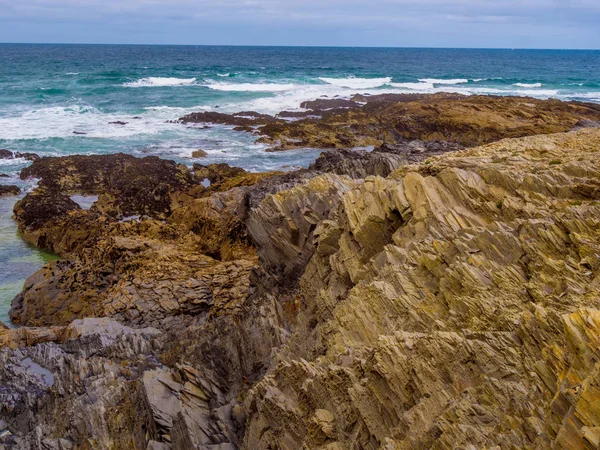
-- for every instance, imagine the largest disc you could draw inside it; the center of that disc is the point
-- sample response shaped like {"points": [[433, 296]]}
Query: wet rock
{"points": [[246, 119], [6, 190], [126, 185], [199, 154], [118, 122], [7, 154], [325, 104], [395, 118]]}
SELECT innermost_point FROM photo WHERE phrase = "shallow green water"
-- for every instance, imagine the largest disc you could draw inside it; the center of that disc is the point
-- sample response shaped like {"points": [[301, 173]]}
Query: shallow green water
{"points": [[18, 259]]}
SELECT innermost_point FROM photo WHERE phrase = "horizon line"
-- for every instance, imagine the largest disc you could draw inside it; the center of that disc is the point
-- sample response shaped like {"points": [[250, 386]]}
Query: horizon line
{"points": [[303, 46]]}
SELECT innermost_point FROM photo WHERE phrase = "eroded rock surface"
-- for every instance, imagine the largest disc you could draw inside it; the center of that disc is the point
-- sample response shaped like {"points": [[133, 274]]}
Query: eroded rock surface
{"points": [[126, 185], [389, 119], [450, 304]]}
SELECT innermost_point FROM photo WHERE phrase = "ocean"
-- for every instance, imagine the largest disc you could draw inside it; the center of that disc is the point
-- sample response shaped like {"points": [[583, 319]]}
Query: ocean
{"points": [[48, 92]]}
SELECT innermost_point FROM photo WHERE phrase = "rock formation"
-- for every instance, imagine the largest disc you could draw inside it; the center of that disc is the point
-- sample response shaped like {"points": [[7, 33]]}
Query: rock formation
{"points": [[6, 190], [406, 298], [394, 118]]}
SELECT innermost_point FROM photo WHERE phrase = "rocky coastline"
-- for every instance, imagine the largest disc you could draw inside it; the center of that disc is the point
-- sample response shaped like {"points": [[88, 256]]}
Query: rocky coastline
{"points": [[438, 289]]}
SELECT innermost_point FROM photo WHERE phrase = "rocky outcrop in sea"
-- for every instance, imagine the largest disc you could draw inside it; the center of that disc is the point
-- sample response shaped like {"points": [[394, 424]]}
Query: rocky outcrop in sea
{"points": [[428, 293]]}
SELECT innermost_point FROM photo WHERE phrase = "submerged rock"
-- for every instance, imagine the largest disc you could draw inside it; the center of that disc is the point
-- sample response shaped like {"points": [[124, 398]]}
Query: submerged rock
{"points": [[6, 190], [7, 154]]}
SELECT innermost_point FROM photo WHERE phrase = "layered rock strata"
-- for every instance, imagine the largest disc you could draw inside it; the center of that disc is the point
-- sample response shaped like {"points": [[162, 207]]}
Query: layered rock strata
{"points": [[446, 302]]}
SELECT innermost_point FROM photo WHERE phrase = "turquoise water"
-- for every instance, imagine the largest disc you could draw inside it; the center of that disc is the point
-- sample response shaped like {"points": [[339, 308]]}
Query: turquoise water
{"points": [[47, 92]]}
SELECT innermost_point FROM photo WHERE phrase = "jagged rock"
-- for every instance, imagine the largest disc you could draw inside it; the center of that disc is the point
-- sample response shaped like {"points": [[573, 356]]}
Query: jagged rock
{"points": [[450, 305], [136, 272], [126, 185], [381, 161], [453, 304], [7, 154], [6, 190], [81, 390], [395, 118], [283, 225]]}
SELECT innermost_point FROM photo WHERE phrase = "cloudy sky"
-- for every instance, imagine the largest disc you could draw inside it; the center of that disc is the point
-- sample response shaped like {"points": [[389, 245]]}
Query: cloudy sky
{"points": [[404, 23]]}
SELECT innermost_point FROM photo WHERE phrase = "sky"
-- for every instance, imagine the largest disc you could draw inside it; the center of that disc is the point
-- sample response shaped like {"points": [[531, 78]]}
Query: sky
{"points": [[387, 23]]}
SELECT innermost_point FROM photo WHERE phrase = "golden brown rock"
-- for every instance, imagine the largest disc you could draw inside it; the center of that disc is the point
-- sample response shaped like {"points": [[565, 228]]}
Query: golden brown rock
{"points": [[392, 118], [453, 305]]}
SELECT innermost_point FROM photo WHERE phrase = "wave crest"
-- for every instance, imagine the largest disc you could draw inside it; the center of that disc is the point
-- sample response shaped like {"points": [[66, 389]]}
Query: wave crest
{"points": [[357, 83], [528, 85], [160, 82], [443, 81], [251, 87]]}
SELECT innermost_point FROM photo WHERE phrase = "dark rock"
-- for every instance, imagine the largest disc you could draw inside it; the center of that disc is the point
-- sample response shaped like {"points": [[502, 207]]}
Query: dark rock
{"points": [[79, 132], [585, 123], [27, 156], [4, 175], [6, 190], [118, 122], [199, 154], [7, 154], [324, 104], [126, 185], [244, 119], [217, 173]]}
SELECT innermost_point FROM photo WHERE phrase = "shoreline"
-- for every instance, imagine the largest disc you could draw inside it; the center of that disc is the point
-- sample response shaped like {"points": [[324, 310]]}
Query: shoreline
{"points": [[450, 269]]}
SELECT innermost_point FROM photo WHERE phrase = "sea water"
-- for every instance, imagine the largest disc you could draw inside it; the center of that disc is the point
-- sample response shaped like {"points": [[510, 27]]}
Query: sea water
{"points": [[60, 99]]}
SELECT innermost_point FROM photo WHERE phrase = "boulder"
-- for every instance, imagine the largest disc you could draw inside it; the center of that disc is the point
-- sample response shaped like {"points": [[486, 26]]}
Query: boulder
{"points": [[199, 154]]}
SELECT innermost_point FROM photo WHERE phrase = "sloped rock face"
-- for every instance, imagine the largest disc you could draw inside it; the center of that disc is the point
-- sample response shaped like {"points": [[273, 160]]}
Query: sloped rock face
{"points": [[80, 388], [451, 305]]}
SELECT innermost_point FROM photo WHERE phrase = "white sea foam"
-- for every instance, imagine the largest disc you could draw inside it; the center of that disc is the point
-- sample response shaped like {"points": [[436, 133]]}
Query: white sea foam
{"points": [[12, 162], [357, 83], [528, 85], [223, 74], [62, 122], [160, 82], [413, 86], [442, 81], [72, 73], [251, 87]]}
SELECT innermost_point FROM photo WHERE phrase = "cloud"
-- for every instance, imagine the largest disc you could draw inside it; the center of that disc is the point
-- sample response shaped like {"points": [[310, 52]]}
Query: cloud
{"points": [[384, 22]]}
